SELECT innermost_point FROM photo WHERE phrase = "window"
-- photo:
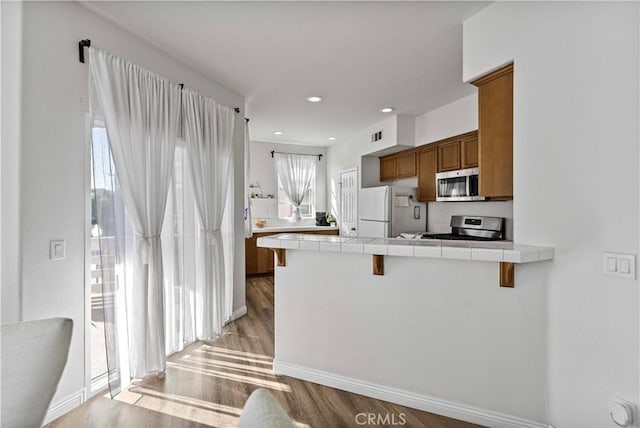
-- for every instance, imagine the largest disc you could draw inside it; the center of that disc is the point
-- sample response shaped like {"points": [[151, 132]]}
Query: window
{"points": [[287, 210]]}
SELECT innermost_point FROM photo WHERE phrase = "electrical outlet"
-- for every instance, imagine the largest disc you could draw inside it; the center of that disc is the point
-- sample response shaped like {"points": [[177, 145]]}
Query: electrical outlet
{"points": [[620, 265]]}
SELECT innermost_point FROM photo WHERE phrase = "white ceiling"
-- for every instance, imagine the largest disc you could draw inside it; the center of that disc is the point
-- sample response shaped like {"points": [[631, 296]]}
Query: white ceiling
{"points": [[359, 56]]}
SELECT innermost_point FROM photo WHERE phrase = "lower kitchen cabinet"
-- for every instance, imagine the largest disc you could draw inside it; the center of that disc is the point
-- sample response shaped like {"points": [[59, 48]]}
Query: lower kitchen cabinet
{"points": [[260, 260]]}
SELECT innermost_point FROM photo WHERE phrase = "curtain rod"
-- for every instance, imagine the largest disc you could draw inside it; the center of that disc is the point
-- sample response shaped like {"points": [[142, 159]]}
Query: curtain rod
{"points": [[299, 154], [85, 43]]}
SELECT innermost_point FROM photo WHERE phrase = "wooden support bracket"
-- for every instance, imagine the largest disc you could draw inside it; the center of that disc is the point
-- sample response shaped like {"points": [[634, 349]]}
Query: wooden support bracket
{"points": [[378, 264], [281, 254], [507, 274]]}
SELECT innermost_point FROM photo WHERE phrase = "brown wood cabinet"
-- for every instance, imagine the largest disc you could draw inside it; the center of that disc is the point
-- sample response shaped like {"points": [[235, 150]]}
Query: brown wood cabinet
{"points": [[260, 260], [427, 168], [406, 165], [388, 169], [457, 152], [398, 165], [469, 151], [449, 156], [495, 139]]}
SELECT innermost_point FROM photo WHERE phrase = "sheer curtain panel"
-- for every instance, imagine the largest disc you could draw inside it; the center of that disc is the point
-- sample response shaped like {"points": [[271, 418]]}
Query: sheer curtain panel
{"points": [[208, 135], [248, 222], [295, 173], [141, 112]]}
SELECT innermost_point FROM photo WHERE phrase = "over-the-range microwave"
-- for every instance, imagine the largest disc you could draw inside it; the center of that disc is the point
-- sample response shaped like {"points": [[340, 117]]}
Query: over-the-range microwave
{"points": [[459, 185]]}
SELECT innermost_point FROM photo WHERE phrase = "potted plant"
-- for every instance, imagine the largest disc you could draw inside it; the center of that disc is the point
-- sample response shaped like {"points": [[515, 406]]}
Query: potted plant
{"points": [[332, 220]]}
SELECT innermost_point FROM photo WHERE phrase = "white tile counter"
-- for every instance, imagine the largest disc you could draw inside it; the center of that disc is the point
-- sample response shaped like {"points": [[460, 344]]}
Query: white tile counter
{"points": [[493, 251]]}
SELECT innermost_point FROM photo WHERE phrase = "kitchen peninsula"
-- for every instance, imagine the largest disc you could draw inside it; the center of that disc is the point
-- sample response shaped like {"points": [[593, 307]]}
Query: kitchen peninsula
{"points": [[434, 332]]}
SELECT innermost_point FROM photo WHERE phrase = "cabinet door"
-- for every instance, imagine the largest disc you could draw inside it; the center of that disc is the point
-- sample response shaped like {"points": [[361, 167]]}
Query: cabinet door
{"points": [[495, 142], [251, 255], [406, 165], [265, 260], [449, 156], [388, 168], [469, 150], [427, 168]]}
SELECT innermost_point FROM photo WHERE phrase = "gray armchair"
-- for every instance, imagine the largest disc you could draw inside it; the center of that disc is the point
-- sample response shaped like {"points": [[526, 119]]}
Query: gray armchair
{"points": [[34, 354]]}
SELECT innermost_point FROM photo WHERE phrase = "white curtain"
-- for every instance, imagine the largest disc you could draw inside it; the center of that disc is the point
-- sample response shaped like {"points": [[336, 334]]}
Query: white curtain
{"points": [[248, 233], [296, 172], [208, 134], [141, 112]]}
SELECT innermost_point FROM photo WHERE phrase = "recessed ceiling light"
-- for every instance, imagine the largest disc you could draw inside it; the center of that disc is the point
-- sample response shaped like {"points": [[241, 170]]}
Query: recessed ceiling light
{"points": [[314, 99], [277, 132], [332, 138], [387, 109]]}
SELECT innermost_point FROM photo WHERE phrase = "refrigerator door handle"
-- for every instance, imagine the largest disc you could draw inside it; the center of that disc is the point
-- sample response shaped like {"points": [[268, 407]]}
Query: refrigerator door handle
{"points": [[388, 204]]}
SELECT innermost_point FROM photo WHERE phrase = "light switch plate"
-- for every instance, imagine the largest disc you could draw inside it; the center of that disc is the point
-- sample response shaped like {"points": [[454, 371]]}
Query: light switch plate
{"points": [[56, 249], [619, 265]]}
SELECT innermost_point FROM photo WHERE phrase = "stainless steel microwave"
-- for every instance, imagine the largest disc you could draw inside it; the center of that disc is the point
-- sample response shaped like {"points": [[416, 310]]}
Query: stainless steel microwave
{"points": [[459, 185]]}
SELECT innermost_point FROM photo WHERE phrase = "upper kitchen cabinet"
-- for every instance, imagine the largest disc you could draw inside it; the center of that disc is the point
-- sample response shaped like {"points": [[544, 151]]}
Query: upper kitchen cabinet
{"points": [[458, 152], [449, 156], [401, 165], [469, 150], [388, 168], [406, 166], [427, 168], [495, 139]]}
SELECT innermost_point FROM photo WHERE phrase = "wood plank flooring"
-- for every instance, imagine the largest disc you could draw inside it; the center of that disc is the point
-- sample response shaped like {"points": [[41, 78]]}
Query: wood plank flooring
{"points": [[208, 383]]}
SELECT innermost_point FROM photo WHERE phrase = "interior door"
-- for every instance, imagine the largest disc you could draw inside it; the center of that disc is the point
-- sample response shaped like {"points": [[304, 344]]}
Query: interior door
{"points": [[348, 216]]}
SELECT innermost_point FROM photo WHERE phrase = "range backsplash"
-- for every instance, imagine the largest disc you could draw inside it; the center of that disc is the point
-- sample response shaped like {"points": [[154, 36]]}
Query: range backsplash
{"points": [[440, 213]]}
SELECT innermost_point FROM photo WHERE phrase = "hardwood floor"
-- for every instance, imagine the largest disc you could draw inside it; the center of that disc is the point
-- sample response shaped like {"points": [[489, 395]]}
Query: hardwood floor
{"points": [[208, 383]]}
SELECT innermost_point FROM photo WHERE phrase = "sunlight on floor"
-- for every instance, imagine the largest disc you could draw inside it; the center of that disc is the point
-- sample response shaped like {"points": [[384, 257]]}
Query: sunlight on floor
{"points": [[234, 352], [234, 357], [208, 361], [233, 366], [189, 408], [231, 376]]}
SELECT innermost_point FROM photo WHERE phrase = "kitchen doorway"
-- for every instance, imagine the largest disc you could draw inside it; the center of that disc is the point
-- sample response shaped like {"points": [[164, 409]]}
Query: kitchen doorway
{"points": [[348, 216]]}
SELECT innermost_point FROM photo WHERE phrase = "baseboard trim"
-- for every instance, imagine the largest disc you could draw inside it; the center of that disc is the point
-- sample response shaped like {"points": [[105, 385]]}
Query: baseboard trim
{"points": [[406, 398], [242, 311], [99, 384], [65, 405]]}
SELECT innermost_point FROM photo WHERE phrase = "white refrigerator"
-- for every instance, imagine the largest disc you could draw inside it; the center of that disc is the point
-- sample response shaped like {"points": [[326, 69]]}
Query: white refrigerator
{"points": [[388, 211]]}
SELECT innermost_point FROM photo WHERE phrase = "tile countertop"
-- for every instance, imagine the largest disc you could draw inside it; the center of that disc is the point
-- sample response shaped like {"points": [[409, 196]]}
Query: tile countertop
{"points": [[290, 228], [493, 251]]}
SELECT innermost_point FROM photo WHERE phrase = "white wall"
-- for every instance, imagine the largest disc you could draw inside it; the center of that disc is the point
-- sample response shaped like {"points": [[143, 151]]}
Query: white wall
{"points": [[452, 119], [53, 151], [576, 182], [431, 327], [263, 171], [397, 134], [11, 18]]}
